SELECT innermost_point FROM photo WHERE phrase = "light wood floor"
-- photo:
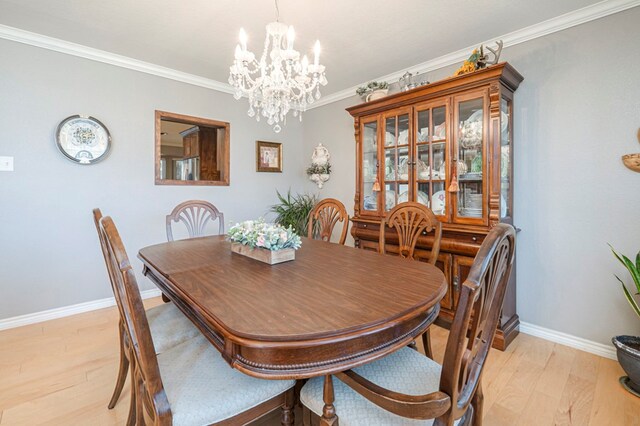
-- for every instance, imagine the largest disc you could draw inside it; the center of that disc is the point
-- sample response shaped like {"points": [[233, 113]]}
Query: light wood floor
{"points": [[62, 372]]}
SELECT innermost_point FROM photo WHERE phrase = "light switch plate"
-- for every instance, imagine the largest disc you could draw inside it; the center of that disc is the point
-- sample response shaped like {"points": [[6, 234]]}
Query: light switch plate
{"points": [[6, 164]]}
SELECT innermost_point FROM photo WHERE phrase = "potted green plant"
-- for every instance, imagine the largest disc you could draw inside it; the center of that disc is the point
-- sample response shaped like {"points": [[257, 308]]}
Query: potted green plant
{"points": [[373, 90], [293, 210], [628, 347], [319, 173]]}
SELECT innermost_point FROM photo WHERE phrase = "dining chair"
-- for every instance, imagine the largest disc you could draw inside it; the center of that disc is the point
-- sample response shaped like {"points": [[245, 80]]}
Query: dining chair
{"points": [[324, 217], [408, 385], [189, 384], [169, 327], [195, 215], [410, 221]]}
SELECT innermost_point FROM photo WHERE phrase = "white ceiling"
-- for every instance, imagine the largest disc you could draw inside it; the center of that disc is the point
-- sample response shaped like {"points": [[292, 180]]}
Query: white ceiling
{"points": [[360, 40]]}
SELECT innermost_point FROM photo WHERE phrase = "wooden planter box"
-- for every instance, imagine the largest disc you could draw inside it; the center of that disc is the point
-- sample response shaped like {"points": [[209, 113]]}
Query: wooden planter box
{"points": [[263, 255]]}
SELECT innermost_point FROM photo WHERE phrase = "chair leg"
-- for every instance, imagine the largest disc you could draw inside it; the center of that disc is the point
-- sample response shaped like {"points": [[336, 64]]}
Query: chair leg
{"points": [[426, 342], [329, 417], [165, 299], [122, 370], [477, 401], [139, 408], [288, 418], [131, 417]]}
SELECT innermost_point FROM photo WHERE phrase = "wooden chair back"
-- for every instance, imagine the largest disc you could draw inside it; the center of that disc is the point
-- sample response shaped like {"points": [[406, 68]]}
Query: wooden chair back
{"points": [[411, 220], [97, 216], [195, 215], [146, 379], [324, 217], [476, 319], [470, 337]]}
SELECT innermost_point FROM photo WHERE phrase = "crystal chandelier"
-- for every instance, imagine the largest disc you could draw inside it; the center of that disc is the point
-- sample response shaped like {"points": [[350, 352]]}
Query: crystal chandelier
{"points": [[279, 81]]}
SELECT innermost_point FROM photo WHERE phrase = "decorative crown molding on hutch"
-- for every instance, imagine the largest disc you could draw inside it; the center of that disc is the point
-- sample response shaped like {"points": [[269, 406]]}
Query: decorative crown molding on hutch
{"points": [[559, 23]]}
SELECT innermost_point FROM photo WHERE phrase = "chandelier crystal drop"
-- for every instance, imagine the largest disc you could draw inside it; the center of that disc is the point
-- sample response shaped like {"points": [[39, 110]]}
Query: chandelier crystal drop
{"points": [[280, 81]]}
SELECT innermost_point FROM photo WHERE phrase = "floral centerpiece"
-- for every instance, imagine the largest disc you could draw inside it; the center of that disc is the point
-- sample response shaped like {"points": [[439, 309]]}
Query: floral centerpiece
{"points": [[267, 242]]}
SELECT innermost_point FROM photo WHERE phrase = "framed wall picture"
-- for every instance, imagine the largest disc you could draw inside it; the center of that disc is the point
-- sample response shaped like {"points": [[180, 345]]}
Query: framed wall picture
{"points": [[268, 156]]}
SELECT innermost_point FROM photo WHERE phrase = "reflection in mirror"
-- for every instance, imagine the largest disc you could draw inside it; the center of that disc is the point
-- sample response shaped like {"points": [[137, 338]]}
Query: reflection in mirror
{"points": [[191, 150]]}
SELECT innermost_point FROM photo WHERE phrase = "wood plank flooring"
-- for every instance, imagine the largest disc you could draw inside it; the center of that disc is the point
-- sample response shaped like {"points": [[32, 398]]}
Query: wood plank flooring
{"points": [[62, 372]]}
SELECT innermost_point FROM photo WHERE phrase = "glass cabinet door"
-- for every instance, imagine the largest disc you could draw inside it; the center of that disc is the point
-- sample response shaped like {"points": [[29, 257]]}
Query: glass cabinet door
{"points": [[506, 168], [370, 175], [397, 162], [469, 149], [431, 157]]}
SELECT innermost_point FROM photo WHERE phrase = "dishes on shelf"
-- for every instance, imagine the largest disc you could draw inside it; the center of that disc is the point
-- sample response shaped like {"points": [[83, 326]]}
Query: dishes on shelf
{"points": [[423, 136], [439, 132], [472, 205], [422, 169], [422, 198], [504, 162], [471, 131], [438, 202], [370, 202], [403, 137], [389, 139], [462, 167], [390, 199], [474, 200], [425, 174], [403, 169]]}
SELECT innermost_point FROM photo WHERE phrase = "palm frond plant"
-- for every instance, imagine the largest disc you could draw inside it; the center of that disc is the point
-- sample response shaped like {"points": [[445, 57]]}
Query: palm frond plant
{"points": [[634, 271], [293, 210]]}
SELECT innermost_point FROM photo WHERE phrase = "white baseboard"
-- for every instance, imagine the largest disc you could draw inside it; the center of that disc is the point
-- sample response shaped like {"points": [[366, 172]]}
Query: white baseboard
{"points": [[606, 351], [595, 348], [66, 311]]}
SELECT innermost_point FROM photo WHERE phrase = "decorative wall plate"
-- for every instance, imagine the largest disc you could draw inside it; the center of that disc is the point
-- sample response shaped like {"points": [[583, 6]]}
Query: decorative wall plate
{"points": [[83, 140]]}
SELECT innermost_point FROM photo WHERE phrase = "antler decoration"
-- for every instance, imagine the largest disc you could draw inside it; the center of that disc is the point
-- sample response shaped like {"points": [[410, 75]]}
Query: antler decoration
{"points": [[632, 161], [496, 53], [479, 59]]}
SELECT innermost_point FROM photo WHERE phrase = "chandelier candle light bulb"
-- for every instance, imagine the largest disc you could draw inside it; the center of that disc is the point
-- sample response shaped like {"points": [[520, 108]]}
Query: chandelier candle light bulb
{"points": [[279, 81]]}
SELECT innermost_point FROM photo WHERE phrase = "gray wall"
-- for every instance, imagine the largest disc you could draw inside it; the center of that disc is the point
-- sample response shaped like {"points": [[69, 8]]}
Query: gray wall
{"points": [[49, 253], [576, 113]]}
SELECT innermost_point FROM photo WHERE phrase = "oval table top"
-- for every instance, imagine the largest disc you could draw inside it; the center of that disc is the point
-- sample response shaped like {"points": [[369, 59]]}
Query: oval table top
{"points": [[329, 295]]}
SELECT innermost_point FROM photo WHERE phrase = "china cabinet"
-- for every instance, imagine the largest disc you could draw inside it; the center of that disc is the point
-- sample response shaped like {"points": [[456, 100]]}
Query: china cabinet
{"points": [[447, 145]]}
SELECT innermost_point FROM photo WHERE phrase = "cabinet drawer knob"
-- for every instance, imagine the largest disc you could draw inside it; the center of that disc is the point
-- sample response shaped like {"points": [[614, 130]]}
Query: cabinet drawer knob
{"points": [[474, 238], [364, 226]]}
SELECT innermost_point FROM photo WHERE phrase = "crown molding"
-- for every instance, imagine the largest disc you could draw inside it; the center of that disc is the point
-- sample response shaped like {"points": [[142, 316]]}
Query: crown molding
{"points": [[559, 23], [74, 49], [550, 26]]}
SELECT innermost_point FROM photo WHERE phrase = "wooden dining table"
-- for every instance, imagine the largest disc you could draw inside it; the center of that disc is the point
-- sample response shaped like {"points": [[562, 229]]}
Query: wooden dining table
{"points": [[331, 309]]}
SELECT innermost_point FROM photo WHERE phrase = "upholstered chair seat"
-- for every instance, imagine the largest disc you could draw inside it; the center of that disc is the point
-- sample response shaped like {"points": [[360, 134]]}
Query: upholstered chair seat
{"points": [[203, 389], [406, 371], [169, 327]]}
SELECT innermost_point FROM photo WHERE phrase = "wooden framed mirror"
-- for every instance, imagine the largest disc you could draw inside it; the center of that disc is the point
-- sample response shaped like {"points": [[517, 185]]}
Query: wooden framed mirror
{"points": [[191, 150]]}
